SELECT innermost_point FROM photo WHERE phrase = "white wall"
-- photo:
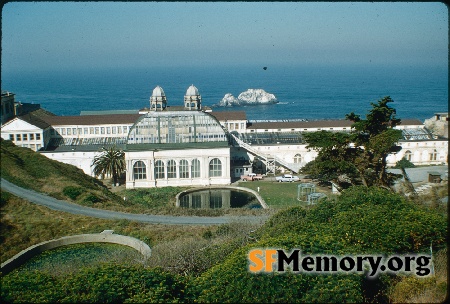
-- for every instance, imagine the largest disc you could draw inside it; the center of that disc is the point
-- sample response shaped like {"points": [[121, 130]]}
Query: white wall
{"points": [[203, 155]]}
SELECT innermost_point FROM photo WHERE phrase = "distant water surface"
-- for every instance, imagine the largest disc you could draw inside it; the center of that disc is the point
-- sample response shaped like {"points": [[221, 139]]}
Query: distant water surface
{"points": [[303, 92]]}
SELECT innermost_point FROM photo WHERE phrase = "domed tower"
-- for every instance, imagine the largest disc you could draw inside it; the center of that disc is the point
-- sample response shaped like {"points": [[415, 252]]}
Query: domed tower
{"points": [[158, 100], [192, 99]]}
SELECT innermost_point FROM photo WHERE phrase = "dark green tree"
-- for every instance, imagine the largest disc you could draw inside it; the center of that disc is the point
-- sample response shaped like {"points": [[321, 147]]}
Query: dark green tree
{"points": [[335, 159], [359, 156], [110, 163], [377, 138], [404, 163]]}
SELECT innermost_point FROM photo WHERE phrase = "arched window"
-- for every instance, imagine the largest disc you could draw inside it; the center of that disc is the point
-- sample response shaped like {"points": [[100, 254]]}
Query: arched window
{"points": [[139, 170], [433, 155], [215, 167], [408, 155], [171, 169], [297, 158], [195, 168], [184, 169], [159, 169]]}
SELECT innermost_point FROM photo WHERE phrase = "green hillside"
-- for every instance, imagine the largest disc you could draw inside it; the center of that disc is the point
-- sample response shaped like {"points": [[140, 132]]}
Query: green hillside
{"points": [[32, 170]]}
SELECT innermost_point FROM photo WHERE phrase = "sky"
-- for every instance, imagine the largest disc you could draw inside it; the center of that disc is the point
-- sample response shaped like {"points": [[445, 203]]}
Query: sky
{"points": [[92, 35]]}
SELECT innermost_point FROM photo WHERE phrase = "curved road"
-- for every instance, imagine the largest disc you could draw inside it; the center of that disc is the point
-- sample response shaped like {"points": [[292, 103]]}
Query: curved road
{"points": [[59, 205]]}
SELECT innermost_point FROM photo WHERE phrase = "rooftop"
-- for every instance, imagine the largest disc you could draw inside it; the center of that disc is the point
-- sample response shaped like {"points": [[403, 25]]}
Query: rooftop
{"points": [[229, 115]]}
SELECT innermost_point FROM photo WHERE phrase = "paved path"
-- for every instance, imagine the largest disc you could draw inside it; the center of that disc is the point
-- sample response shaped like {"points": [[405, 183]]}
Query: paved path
{"points": [[59, 205], [420, 174]]}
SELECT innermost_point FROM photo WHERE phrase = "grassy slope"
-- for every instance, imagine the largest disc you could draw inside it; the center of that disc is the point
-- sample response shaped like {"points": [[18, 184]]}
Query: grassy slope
{"points": [[25, 224], [32, 170]]}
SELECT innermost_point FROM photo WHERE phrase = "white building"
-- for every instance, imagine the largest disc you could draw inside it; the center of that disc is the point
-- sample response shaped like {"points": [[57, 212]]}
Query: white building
{"points": [[189, 145]]}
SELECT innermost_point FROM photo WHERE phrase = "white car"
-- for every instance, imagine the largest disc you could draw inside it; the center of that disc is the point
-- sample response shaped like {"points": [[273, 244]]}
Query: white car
{"points": [[287, 178]]}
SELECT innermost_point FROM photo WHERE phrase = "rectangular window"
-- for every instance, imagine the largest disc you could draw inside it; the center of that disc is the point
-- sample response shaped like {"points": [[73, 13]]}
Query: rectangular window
{"points": [[63, 131], [108, 130], [38, 136], [125, 129], [80, 131], [86, 131], [242, 125], [25, 136], [91, 130], [11, 137], [114, 130], [32, 136], [102, 130], [69, 131], [18, 137], [97, 130], [74, 131]]}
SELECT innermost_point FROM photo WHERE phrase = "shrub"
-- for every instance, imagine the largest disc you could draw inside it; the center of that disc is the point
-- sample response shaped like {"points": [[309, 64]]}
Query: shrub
{"points": [[91, 199], [404, 163], [72, 192]]}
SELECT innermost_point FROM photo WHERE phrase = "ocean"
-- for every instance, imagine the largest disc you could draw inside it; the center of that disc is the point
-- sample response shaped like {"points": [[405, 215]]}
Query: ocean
{"points": [[303, 92]]}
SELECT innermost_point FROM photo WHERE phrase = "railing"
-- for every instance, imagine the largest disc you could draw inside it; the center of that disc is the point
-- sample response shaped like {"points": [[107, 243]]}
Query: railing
{"points": [[265, 157]]}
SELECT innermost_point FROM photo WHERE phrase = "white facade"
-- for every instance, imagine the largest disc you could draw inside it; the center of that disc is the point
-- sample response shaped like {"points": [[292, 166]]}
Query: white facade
{"points": [[187, 167], [189, 147], [24, 134], [80, 159]]}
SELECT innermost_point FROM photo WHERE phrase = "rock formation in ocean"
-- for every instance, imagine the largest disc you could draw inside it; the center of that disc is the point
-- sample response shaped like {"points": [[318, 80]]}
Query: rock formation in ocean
{"points": [[228, 101], [249, 97]]}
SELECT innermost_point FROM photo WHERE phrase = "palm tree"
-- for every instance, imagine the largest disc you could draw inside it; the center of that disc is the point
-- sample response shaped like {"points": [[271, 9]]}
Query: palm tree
{"points": [[111, 162]]}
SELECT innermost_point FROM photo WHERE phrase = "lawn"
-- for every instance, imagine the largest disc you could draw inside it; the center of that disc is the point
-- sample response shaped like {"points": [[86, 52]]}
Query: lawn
{"points": [[277, 195]]}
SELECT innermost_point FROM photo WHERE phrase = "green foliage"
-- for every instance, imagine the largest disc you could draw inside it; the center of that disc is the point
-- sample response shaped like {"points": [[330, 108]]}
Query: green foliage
{"points": [[72, 192], [36, 287], [358, 157], [33, 170], [110, 283], [232, 282], [360, 221], [404, 163], [111, 162], [152, 198], [90, 199]]}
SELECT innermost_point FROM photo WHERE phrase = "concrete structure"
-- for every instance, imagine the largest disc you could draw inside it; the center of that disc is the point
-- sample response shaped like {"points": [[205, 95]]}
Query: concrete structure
{"points": [[106, 236], [201, 201]]}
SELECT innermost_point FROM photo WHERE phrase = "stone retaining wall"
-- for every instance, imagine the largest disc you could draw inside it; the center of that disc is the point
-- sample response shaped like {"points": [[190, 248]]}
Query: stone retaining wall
{"points": [[106, 236]]}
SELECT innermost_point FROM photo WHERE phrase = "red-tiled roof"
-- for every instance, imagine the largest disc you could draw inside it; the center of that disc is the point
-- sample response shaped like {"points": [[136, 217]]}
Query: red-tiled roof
{"points": [[34, 120], [301, 124], [409, 122], [93, 119], [229, 115]]}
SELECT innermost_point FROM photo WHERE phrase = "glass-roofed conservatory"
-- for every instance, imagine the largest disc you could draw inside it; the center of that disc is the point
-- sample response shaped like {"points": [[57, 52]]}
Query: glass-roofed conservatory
{"points": [[176, 127]]}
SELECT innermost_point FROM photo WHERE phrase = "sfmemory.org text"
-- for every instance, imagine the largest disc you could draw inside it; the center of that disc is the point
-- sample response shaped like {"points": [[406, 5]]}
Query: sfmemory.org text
{"points": [[270, 260]]}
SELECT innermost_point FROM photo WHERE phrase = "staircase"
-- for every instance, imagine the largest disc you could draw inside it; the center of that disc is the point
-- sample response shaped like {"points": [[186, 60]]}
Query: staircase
{"points": [[269, 160]]}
